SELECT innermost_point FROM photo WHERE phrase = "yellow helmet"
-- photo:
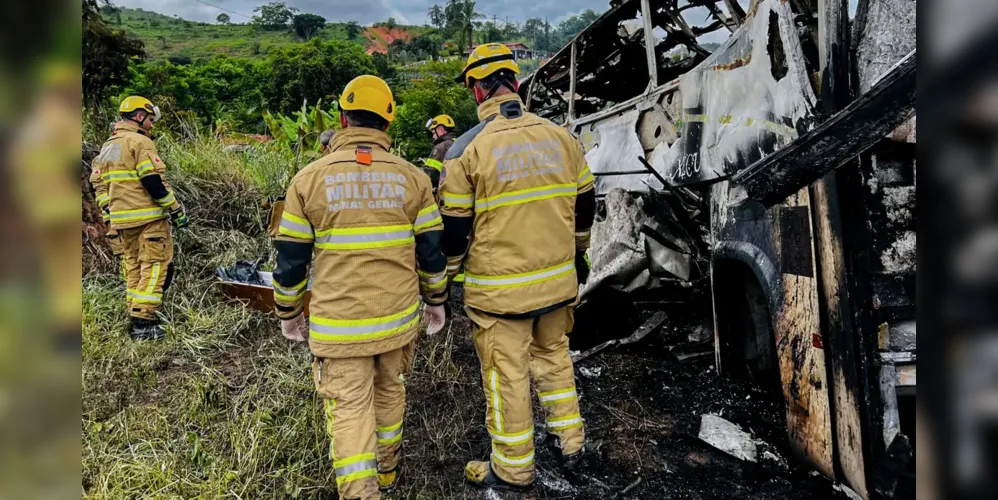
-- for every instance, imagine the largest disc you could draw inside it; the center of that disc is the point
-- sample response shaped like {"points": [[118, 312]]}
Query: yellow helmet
{"points": [[135, 103], [369, 93], [444, 120], [485, 60]]}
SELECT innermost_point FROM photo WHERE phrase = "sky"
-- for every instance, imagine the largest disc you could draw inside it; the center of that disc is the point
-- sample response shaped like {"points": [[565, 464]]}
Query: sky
{"points": [[369, 11]]}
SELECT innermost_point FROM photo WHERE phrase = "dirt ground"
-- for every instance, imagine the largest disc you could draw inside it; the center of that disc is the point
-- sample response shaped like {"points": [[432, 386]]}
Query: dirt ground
{"points": [[642, 409]]}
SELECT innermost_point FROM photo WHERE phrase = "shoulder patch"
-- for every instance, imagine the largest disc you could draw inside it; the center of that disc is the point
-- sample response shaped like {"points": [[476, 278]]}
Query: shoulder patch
{"points": [[461, 143]]}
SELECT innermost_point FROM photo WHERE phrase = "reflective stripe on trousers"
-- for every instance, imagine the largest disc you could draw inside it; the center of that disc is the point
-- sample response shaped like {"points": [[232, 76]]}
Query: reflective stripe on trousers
{"points": [[390, 434], [522, 279], [144, 298], [355, 467], [566, 422], [330, 405], [352, 330], [496, 399], [512, 439], [552, 397], [520, 461]]}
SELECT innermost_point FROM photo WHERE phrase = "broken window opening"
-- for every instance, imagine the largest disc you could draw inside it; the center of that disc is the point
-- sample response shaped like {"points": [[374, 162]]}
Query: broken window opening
{"points": [[692, 31], [777, 55]]}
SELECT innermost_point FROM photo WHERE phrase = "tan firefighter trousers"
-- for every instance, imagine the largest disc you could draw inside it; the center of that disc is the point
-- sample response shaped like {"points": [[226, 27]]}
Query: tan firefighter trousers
{"points": [[511, 351], [148, 266], [364, 403]]}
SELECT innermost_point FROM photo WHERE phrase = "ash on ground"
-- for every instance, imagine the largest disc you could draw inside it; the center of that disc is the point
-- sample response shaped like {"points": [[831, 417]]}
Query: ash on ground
{"points": [[642, 412]]}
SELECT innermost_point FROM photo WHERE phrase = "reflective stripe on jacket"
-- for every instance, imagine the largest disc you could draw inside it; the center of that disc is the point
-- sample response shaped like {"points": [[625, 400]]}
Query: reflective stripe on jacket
{"points": [[517, 176]]}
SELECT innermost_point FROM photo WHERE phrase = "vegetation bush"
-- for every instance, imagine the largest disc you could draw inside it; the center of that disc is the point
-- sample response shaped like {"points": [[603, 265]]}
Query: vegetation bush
{"points": [[312, 71], [431, 93]]}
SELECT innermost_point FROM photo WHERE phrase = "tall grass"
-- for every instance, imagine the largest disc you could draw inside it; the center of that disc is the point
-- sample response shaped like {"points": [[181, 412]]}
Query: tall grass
{"points": [[225, 406]]}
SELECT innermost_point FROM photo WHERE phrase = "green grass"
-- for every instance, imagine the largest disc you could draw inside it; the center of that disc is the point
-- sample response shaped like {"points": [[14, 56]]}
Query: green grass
{"points": [[225, 406]]}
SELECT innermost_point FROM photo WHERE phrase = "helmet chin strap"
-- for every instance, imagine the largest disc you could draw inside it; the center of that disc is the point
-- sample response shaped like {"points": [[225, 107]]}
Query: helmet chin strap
{"points": [[480, 98], [133, 118]]}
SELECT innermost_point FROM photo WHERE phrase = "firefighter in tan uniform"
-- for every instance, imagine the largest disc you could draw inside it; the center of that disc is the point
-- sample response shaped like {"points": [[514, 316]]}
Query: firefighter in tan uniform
{"points": [[366, 222], [518, 187], [441, 127], [140, 206]]}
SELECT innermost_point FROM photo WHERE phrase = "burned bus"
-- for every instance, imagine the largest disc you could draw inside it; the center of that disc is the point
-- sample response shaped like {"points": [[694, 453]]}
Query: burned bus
{"points": [[766, 148]]}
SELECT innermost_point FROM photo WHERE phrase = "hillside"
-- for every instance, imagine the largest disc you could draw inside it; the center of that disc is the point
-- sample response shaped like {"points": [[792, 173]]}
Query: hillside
{"points": [[169, 37]]}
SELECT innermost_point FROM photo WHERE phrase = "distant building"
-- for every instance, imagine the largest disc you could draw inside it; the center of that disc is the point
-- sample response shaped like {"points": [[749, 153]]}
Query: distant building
{"points": [[520, 51]]}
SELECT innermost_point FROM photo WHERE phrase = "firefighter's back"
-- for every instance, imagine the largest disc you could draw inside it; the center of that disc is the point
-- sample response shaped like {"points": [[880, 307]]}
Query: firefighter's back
{"points": [[525, 173], [124, 159], [363, 204]]}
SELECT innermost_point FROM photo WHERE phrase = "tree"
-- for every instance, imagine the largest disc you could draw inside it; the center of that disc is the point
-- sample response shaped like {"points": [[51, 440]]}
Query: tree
{"points": [[433, 93], [573, 25], [464, 16], [489, 32], [426, 45], [437, 17], [106, 54], [391, 23], [353, 29], [220, 88], [223, 18], [274, 15], [314, 70], [307, 26], [539, 32], [511, 31]]}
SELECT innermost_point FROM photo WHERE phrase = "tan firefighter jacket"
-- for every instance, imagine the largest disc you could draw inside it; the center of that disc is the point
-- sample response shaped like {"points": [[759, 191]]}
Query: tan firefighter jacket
{"points": [[363, 218], [137, 191], [510, 187]]}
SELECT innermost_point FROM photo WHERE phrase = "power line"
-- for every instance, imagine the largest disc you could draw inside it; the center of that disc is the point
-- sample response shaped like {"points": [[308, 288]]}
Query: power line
{"points": [[223, 8]]}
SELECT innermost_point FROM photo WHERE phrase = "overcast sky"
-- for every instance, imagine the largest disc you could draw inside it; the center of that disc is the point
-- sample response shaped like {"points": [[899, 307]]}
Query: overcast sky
{"points": [[404, 11], [369, 11]]}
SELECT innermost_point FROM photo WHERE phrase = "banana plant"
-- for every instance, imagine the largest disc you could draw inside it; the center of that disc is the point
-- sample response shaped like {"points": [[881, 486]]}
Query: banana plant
{"points": [[299, 133]]}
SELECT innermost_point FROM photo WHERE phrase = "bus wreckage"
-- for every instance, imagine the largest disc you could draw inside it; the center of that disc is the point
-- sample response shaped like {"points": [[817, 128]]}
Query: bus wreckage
{"points": [[772, 178]]}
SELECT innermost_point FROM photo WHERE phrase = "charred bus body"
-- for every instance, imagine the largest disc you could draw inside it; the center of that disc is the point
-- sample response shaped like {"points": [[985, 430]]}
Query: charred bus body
{"points": [[778, 167]]}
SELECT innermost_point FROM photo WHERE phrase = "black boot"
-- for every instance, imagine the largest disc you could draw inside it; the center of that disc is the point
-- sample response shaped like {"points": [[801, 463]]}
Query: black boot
{"points": [[568, 462], [147, 329]]}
